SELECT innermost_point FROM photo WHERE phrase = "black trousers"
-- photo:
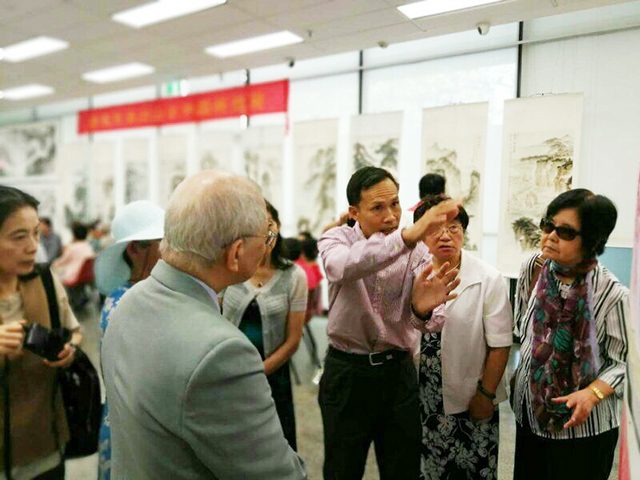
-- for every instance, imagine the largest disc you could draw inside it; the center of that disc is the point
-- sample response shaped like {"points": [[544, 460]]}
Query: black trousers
{"points": [[362, 403], [581, 458], [56, 473]]}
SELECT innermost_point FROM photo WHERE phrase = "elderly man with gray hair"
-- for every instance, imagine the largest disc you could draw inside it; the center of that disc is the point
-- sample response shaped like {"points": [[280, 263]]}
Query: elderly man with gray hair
{"points": [[187, 390]]}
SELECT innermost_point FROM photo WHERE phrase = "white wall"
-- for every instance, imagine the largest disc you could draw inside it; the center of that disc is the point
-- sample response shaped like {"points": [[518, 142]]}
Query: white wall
{"points": [[605, 68]]}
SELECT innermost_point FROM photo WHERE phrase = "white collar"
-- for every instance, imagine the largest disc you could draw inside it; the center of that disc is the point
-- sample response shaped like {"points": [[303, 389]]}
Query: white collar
{"points": [[212, 293]]}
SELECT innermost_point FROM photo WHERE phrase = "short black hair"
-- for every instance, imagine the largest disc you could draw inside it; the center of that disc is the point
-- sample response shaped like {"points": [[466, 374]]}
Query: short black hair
{"points": [[306, 234], [79, 230], [46, 220], [597, 214], [433, 200], [278, 259], [12, 200], [432, 184], [364, 179], [310, 248], [291, 248]]}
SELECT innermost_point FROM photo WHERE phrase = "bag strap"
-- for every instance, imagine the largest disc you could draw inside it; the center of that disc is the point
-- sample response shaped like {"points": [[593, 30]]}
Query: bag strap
{"points": [[52, 299], [7, 420], [54, 316]]}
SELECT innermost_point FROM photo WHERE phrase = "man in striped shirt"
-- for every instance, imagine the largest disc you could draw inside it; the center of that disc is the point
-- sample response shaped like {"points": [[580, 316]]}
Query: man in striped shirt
{"points": [[380, 291]]}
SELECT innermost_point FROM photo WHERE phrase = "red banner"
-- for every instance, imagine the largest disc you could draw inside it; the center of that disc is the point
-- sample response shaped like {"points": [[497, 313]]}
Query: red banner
{"points": [[250, 100]]}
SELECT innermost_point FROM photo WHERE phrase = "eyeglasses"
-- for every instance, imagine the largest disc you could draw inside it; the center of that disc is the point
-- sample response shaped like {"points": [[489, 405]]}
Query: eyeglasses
{"points": [[565, 233], [270, 238], [453, 229]]}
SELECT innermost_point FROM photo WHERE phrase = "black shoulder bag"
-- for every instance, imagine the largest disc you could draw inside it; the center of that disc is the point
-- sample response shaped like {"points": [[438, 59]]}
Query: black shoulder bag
{"points": [[80, 387]]}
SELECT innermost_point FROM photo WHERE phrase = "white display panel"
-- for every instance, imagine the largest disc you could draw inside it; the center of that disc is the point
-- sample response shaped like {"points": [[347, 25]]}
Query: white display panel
{"points": [[314, 176], [262, 152], [541, 153], [375, 141], [604, 69], [454, 142]]}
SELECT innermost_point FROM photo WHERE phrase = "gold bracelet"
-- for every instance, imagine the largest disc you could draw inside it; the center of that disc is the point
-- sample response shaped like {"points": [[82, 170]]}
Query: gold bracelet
{"points": [[596, 391]]}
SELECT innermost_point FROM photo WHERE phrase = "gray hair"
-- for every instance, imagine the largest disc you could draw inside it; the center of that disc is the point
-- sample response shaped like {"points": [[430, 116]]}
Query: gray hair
{"points": [[205, 216]]}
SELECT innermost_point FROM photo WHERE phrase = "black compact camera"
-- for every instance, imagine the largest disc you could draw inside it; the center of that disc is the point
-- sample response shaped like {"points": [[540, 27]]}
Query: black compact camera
{"points": [[44, 342]]}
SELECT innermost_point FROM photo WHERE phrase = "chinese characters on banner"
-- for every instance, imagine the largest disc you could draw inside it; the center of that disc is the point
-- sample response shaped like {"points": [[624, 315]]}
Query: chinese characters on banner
{"points": [[248, 100]]}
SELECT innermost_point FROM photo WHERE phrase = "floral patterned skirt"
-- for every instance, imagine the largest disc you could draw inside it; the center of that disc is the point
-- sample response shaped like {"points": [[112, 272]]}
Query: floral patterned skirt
{"points": [[453, 446]]}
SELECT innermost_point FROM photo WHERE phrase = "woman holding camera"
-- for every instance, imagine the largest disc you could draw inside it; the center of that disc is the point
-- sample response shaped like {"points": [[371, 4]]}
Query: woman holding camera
{"points": [[570, 312], [32, 414]]}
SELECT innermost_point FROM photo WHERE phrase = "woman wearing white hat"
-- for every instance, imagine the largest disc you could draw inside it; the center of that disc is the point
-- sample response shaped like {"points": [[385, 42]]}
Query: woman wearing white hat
{"points": [[137, 230]]}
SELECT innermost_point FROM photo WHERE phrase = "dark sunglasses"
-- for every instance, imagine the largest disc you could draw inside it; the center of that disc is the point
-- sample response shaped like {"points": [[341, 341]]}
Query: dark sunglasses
{"points": [[565, 233]]}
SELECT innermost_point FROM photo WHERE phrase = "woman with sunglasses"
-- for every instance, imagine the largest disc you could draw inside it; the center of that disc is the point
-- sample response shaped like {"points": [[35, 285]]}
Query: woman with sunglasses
{"points": [[570, 313], [270, 309]]}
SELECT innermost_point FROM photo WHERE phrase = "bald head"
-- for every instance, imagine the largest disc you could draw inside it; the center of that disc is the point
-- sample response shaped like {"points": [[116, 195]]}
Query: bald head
{"points": [[207, 212]]}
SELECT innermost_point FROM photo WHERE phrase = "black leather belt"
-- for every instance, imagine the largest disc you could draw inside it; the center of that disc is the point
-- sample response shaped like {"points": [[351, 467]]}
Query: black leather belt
{"points": [[371, 359]]}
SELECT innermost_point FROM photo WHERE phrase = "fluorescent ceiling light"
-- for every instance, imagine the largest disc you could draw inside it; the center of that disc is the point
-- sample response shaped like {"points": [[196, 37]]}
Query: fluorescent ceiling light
{"points": [[34, 47], [162, 10], [255, 44], [26, 91], [427, 8], [119, 72]]}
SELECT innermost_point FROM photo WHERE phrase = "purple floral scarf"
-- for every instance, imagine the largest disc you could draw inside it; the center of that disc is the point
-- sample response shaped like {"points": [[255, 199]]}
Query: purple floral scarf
{"points": [[564, 354]]}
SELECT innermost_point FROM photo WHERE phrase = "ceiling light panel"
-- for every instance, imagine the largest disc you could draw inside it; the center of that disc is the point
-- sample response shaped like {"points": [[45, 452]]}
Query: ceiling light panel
{"points": [[119, 72], [428, 8], [161, 11], [255, 44], [26, 91], [32, 48]]}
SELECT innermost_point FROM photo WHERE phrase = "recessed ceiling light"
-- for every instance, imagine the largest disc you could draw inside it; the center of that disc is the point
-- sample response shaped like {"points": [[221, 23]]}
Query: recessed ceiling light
{"points": [[32, 48], [26, 91], [162, 10], [255, 44], [427, 8], [119, 72]]}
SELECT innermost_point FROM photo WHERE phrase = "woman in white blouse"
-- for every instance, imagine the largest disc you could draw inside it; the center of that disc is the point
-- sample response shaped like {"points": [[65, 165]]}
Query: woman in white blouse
{"points": [[570, 312], [463, 362]]}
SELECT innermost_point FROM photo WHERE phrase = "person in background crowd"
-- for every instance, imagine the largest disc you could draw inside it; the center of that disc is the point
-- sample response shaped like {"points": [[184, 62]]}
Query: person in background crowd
{"points": [[432, 184], [291, 248], [99, 237], [369, 391], [308, 263], [570, 313], [269, 309], [137, 230], [463, 361], [28, 400], [74, 255], [169, 353], [50, 240]]}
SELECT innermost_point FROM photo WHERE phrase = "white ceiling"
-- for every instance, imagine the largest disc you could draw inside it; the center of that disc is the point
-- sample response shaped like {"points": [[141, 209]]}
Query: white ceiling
{"points": [[176, 47]]}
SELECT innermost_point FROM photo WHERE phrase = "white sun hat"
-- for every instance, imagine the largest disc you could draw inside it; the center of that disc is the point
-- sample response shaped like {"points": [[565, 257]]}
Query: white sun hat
{"points": [[141, 220]]}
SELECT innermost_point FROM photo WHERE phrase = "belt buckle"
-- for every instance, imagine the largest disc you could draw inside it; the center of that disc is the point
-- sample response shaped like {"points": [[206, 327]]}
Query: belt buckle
{"points": [[372, 362]]}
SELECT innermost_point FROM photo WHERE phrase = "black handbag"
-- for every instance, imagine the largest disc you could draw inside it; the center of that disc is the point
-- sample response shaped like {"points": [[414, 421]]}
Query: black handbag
{"points": [[80, 387]]}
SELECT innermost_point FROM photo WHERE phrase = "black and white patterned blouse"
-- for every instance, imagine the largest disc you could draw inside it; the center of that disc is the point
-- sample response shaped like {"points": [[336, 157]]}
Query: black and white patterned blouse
{"points": [[611, 309]]}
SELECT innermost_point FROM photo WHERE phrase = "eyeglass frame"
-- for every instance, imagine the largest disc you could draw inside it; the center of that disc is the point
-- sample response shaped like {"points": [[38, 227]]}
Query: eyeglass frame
{"points": [[455, 223], [567, 234], [269, 238]]}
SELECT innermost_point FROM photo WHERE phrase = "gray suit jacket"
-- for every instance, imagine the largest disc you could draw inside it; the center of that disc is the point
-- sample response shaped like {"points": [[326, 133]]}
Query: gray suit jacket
{"points": [[187, 393]]}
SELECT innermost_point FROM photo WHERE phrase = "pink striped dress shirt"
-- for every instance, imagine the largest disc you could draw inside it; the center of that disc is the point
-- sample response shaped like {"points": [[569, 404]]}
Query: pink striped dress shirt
{"points": [[370, 283]]}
